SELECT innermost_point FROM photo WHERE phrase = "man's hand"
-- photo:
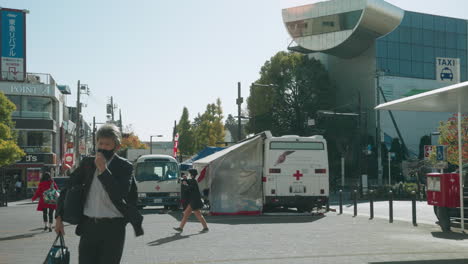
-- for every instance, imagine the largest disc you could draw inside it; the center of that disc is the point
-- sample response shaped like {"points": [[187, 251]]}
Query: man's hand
{"points": [[100, 162], [59, 229]]}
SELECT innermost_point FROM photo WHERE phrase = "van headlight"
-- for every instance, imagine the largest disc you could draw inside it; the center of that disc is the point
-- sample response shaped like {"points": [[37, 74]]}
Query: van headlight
{"points": [[141, 195], [174, 194]]}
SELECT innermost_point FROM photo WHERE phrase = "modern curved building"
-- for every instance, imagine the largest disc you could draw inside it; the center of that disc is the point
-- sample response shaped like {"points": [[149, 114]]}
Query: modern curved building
{"points": [[372, 45]]}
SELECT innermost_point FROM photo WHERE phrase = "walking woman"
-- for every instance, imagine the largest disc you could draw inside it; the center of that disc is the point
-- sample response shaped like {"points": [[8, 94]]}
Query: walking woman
{"points": [[47, 209], [191, 201]]}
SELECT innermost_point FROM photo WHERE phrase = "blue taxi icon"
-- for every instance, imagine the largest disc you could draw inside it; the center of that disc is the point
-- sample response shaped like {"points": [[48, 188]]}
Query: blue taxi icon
{"points": [[446, 74]]}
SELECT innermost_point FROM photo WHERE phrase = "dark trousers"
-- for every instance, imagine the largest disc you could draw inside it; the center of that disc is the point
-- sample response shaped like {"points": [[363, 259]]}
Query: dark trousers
{"points": [[102, 241], [50, 212]]}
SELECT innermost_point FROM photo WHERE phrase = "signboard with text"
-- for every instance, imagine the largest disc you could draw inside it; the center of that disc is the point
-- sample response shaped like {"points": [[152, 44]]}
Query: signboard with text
{"points": [[13, 45], [33, 176], [448, 70]]}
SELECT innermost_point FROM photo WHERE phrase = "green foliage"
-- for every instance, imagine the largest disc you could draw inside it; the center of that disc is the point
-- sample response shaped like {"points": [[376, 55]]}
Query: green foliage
{"points": [[209, 128], [449, 138], [205, 130], [232, 125], [9, 151], [298, 87], [186, 137]]}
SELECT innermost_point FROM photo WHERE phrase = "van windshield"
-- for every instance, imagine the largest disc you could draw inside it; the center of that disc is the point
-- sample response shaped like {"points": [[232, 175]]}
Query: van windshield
{"points": [[156, 171]]}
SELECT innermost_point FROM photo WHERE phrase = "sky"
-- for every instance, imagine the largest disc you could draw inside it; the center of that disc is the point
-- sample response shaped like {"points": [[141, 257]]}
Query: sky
{"points": [[155, 57]]}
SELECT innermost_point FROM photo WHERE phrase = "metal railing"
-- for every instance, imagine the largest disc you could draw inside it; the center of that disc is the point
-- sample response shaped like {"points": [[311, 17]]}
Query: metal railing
{"points": [[29, 77]]}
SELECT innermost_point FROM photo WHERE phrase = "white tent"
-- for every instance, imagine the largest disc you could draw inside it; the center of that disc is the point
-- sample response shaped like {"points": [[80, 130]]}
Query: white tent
{"points": [[234, 177], [447, 99]]}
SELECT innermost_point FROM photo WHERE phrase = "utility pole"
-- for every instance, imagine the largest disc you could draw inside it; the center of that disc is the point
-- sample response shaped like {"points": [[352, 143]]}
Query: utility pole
{"points": [[78, 124], [239, 102], [112, 108], [94, 135], [120, 121], [378, 137]]}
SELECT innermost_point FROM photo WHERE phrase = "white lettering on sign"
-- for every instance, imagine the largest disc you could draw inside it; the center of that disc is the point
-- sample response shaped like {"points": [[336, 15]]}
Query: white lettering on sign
{"points": [[31, 158], [12, 34], [35, 90]]}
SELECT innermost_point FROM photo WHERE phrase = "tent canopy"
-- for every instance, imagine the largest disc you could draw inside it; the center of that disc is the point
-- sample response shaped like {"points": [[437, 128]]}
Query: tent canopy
{"points": [[208, 159], [203, 153], [439, 100]]}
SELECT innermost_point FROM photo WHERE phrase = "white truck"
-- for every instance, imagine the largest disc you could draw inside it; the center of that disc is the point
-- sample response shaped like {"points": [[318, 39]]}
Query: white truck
{"points": [[265, 172], [295, 172], [157, 179]]}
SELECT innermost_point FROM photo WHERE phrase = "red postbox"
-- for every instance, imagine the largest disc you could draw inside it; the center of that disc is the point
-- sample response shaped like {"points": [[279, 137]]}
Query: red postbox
{"points": [[443, 189]]}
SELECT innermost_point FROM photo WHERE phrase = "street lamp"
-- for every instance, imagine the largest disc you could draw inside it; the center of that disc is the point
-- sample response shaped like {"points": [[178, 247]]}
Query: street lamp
{"points": [[151, 142]]}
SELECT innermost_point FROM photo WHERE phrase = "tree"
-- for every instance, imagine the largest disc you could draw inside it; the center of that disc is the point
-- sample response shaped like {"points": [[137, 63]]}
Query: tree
{"points": [[9, 150], [232, 125], [297, 87], [132, 141], [449, 138], [186, 138], [209, 129]]}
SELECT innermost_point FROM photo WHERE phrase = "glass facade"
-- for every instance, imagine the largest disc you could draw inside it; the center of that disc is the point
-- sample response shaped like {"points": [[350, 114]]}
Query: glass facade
{"points": [[35, 141], [32, 107], [411, 49], [324, 24]]}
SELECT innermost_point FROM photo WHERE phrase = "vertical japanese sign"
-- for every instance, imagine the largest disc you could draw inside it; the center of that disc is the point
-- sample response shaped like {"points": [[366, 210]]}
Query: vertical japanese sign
{"points": [[176, 145], [13, 45]]}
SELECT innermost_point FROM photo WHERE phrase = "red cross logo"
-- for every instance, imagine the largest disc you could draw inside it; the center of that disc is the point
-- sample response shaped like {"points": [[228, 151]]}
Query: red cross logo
{"points": [[157, 188], [298, 175]]}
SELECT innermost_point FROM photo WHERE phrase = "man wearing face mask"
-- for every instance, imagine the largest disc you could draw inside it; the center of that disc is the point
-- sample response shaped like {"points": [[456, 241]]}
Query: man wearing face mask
{"points": [[108, 202]]}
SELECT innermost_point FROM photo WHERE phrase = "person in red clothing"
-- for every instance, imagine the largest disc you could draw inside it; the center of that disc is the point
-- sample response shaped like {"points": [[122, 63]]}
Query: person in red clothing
{"points": [[47, 209]]}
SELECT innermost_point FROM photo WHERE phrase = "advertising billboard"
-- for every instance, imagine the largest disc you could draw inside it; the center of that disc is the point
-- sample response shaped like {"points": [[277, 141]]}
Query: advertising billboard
{"points": [[13, 45]]}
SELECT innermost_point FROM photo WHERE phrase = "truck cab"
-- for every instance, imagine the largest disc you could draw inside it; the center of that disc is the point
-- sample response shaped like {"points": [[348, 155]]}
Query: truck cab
{"points": [[157, 179]]}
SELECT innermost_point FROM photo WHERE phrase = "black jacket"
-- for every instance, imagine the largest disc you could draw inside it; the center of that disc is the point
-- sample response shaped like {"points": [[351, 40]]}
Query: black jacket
{"points": [[117, 181], [190, 193]]}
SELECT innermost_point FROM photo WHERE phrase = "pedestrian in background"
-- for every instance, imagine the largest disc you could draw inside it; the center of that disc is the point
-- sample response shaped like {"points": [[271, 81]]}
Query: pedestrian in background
{"points": [[18, 187], [109, 202], [193, 202], [47, 209]]}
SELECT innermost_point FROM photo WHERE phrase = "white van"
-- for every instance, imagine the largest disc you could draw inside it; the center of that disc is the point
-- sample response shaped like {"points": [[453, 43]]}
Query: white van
{"points": [[157, 181], [264, 172], [295, 172]]}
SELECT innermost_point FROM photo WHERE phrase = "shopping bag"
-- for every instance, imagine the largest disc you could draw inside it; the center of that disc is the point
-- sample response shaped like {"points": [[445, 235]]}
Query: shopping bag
{"points": [[51, 195], [58, 253]]}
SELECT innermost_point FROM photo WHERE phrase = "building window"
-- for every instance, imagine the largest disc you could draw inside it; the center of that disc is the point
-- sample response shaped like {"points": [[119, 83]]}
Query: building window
{"points": [[393, 50], [429, 71], [405, 68], [428, 37], [429, 54], [324, 24], [36, 107], [35, 141], [428, 22], [393, 67], [461, 42], [16, 99]]}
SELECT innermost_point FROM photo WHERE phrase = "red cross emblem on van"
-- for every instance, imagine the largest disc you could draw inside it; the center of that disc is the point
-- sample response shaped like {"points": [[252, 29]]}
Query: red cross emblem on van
{"points": [[157, 188], [298, 175]]}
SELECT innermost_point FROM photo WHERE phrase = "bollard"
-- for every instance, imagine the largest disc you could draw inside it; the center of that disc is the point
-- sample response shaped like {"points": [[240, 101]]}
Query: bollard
{"points": [[390, 206], [341, 201], [371, 202], [413, 193], [328, 205], [355, 202]]}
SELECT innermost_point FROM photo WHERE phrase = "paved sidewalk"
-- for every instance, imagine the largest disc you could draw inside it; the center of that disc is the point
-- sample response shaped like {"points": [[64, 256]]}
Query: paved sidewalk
{"points": [[249, 240]]}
